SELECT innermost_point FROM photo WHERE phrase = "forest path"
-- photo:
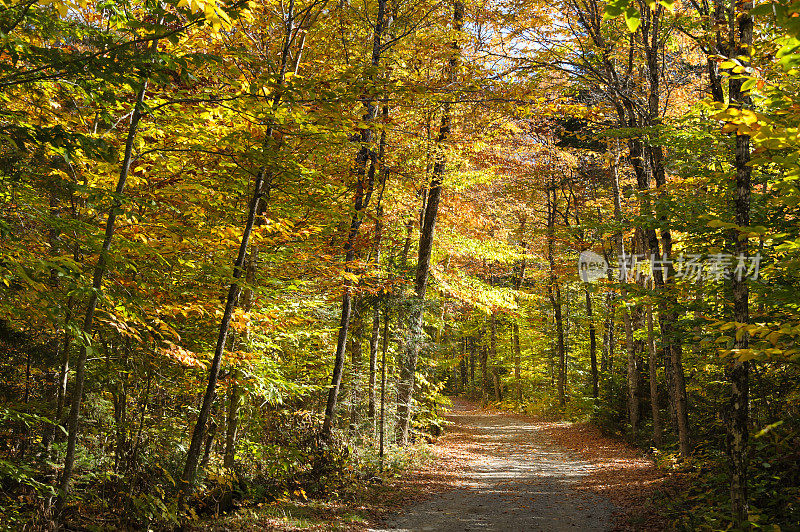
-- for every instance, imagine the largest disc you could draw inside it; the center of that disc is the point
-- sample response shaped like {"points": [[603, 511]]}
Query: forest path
{"points": [[512, 476]]}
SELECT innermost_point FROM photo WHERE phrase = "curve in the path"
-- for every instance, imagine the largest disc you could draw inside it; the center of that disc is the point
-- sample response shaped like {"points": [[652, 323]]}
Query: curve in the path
{"points": [[514, 480]]}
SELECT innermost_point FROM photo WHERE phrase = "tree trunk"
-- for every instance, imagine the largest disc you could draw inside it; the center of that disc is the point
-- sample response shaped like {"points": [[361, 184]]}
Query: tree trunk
{"points": [[554, 292], [263, 181], [232, 429], [463, 365], [364, 187], [120, 400], [376, 315], [592, 345], [517, 361], [24, 436], [668, 307], [679, 392], [134, 454], [555, 300], [472, 361], [97, 285], [384, 348], [373, 362], [515, 326], [652, 363], [406, 246], [210, 433], [498, 396], [63, 375], [355, 367], [193, 455], [407, 371], [633, 373], [486, 383], [235, 395], [609, 338], [739, 371], [443, 302]]}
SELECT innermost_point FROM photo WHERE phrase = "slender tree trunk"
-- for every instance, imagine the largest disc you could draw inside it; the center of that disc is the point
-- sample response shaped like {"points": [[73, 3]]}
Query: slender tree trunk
{"points": [[376, 316], [493, 345], [464, 365], [554, 291], [120, 399], [739, 371], [210, 433], [232, 429], [668, 308], [235, 392], [472, 361], [262, 183], [562, 354], [373, 362], [235, 395], [193, 456], [633, 373], [134, 454], [515, 325], [440, 330], [652, 363], [364, 188], [486, 384], [26, 400], [63, 375], [384, 349], [517, 361], [97, 285], [355, 367], [609, 339], [592, 345], [48, 429], [406, 245], [409, 366]]}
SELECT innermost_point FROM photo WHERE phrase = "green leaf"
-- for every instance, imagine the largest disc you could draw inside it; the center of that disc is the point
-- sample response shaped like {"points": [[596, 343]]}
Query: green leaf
{"points": [[719, 223], [615, 8], [632, 18], [762, 9]]}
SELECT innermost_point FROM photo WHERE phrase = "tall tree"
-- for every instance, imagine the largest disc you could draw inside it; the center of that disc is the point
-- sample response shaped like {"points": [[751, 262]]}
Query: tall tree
{"points": [[365, 183], [262, 183], [740, 45], [97, 286], [408, 368]]}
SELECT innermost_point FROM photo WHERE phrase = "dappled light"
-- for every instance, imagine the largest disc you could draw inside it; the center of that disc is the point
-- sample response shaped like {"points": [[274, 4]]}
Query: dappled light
{"points": [[419, 264]]}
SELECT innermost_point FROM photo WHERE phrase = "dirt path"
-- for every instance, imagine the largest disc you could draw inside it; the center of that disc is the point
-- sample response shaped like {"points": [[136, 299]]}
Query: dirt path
{"points": [[511, 476]]}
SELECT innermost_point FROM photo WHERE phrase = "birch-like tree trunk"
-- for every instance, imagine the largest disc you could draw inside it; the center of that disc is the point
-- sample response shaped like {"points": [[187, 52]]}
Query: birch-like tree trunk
{"points": [[741, 38]]}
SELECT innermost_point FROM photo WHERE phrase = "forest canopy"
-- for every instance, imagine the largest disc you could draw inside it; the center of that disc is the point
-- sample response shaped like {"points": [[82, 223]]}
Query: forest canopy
{"points": [[247, 249]]}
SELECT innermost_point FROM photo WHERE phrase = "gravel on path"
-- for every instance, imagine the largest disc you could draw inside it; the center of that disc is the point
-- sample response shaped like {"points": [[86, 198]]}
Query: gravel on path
{"points": [[514, 478]]}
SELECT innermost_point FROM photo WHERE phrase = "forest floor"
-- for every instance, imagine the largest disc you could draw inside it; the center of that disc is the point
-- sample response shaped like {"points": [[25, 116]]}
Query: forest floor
{"points": [[495, 470]]}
